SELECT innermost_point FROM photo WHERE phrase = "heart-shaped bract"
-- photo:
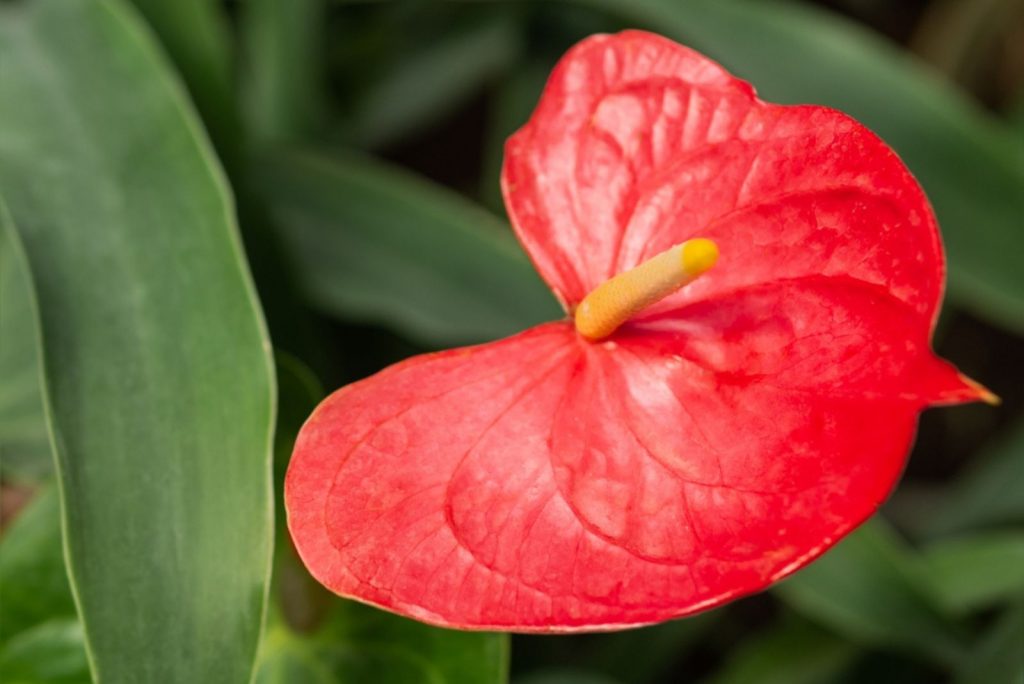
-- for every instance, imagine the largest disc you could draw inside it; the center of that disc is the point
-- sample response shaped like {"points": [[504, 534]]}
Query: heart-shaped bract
{"points": [[722, 438]]}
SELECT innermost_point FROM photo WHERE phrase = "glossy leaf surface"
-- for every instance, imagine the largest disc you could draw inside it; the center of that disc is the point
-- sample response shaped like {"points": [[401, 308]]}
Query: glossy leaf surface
{"points": [[712, 445], [159, 381], [196, 36]]}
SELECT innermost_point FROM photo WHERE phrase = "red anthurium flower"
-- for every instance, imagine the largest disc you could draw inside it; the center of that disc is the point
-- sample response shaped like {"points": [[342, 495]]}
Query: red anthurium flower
{"points": [[677, 444]]}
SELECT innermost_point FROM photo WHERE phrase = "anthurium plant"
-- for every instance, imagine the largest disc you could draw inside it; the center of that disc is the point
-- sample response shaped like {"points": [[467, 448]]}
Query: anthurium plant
{"points": [[750, 291], [480, 343]]}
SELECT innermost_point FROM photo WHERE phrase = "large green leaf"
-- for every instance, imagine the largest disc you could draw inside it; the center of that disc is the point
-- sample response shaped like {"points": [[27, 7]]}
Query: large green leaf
{"points": [[971, 165], [869, 589], [376, 244], [197, 39], [24, 446], [970, 573], [159, 377]]}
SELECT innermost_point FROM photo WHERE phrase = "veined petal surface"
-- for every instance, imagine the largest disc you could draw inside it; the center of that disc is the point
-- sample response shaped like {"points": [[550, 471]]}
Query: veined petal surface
{"points": [[544, 483], [721, 439], [640, 143]]}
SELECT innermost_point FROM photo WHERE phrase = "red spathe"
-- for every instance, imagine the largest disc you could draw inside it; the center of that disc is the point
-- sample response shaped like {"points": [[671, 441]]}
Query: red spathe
{"points": [[721, 440]]}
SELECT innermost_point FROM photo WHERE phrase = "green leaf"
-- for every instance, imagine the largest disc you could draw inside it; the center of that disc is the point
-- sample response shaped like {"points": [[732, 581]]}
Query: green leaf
{"points": [[196, 37], [298, 391], [1015, 114], [282, 42], [989, 493], [868, 588], [376, 244], [288, 658], [434, 79], [647, 654], [969, 162], [370, 644], [52, 652], [363, 644], [316, 637], [998, 656], [638, 656], [158, 374], [25, 454], [971, 573], [33, 582], [564, 676], [790, 653]]}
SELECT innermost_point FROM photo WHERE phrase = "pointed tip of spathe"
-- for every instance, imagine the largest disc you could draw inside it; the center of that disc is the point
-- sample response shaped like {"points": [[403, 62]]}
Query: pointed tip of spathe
{"points": [[981, 392], [944, 385]]}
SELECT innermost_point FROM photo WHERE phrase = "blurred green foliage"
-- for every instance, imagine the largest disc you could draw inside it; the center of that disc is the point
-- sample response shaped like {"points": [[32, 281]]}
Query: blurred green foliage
{"points": [[457, 277], [362, 143], [24, 443]]}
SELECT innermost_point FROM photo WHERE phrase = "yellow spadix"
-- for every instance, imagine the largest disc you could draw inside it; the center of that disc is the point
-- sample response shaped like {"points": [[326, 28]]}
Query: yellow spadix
{"points": [[618, 299]]}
